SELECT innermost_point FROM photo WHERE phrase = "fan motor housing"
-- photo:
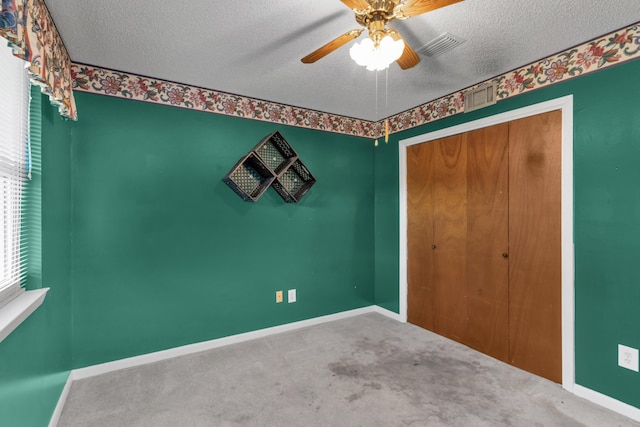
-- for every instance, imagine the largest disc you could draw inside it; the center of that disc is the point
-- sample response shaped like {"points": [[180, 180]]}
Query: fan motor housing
{"points": [[379, 11]]}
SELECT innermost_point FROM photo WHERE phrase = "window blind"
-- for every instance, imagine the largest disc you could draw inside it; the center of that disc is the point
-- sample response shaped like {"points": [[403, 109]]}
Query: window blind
{"points": [[14, 129]]}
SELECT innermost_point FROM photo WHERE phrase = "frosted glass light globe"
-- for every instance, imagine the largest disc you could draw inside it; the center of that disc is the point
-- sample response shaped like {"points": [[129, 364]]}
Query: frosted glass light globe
{"points": [[367, 54]]}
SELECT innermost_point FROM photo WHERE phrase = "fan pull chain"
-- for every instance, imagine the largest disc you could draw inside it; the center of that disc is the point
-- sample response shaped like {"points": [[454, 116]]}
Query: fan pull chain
{"points": [[376, 141], [386, 105]]}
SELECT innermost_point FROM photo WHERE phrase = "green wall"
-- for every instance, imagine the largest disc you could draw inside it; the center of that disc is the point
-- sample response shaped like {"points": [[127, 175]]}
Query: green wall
{"points": [[35, 359], [161, 253], [606, 226], [165, 254]]}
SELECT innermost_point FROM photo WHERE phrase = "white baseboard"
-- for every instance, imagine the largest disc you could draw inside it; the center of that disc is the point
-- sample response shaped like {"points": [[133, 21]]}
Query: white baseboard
{"points": [[388, 313], [103, 368], [55, 417], [607, 402], [144, 359]]}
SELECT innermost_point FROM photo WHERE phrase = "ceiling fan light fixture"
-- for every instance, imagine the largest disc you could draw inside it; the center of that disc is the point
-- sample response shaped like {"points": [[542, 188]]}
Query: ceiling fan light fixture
{"points": [[377, 56]]}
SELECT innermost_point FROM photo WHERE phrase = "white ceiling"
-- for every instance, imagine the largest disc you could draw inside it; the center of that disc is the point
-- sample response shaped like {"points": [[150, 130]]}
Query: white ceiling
{"points": [[253, 47]]}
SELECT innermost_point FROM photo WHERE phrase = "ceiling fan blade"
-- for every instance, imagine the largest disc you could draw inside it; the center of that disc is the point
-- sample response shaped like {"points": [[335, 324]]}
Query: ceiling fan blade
{"points": [[409, 57], [418, 7], [331, 46], [356, 4]]}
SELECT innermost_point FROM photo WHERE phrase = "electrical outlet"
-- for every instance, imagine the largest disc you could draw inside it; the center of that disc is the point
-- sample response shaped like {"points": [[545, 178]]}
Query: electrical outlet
{"points": [[278, 296], [628, 357], [292, 295]]}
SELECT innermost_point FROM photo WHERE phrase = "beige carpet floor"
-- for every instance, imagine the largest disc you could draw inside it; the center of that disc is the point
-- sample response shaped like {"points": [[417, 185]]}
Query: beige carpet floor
{"points": [[367, 370]]}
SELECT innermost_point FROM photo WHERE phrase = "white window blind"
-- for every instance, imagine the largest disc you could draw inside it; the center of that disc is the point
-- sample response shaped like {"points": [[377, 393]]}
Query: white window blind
{"points": [[14, 127]]}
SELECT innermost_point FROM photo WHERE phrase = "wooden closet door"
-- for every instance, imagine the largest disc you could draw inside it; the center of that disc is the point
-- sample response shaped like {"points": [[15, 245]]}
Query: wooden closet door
{"points": [[420, 294], [488, 241], [450, 237], [535, 241]]}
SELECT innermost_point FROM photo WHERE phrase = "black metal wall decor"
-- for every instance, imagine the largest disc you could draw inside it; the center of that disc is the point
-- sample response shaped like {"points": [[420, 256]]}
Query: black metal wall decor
{"points": [[273, 162]]}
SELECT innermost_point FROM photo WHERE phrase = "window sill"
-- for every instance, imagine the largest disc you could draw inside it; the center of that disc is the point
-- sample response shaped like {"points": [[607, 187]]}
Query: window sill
{"points": [[18, 309]]}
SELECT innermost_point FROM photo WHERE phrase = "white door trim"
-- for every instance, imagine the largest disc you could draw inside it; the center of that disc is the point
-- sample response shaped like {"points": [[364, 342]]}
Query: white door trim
{"points": [[565, 104]]}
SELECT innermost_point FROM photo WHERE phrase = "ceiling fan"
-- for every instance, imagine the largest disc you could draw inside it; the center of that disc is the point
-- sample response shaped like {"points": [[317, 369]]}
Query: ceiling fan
{"points": [[374, 15]]}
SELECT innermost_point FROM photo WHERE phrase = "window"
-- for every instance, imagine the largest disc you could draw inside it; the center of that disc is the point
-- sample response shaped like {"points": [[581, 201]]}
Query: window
{"points": [[14, 125]]}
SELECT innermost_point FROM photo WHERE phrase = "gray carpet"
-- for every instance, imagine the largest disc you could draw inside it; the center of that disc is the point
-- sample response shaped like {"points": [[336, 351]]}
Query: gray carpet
{"points": [[364, 371]]}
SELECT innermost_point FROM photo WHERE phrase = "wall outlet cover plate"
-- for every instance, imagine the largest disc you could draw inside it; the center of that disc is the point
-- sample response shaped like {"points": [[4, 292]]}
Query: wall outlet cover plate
{"points": [[628, 357]]}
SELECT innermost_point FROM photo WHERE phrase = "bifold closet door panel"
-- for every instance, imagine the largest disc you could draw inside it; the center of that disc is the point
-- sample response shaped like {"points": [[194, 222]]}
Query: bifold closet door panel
{"points": [[488, 240], [535, 241], [450, 236], [420, 295]]}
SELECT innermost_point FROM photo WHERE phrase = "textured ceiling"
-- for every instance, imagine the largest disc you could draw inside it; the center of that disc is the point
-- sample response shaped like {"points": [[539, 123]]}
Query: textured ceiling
{"points": [[253, 47]]}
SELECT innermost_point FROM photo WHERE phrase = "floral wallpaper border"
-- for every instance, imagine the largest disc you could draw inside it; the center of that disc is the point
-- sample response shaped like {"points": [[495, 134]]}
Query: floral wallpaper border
{"points": [[87, 78], [614, 48], [33, 36]]}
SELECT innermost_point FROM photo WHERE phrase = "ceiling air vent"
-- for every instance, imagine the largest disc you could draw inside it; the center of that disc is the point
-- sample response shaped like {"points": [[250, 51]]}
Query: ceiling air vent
{"points": [[481, 96], [441, 44]]}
